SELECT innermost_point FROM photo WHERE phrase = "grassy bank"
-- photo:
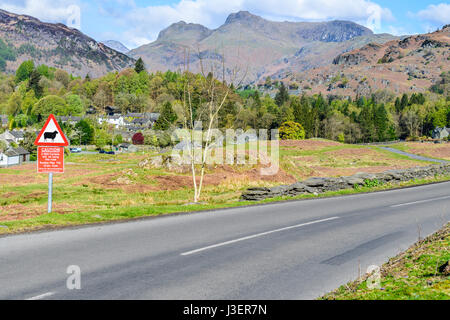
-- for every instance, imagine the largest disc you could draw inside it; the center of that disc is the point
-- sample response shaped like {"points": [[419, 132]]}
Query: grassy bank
{"points": [[413, 275]]}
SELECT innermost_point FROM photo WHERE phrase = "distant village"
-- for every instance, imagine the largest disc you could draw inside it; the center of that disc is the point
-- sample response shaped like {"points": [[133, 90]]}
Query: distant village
{"points": [[125, 125]]}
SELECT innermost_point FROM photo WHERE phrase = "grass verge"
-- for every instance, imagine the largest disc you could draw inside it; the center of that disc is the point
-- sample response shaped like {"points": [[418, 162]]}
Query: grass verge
{"points": [[142, 210], [416, 274]]}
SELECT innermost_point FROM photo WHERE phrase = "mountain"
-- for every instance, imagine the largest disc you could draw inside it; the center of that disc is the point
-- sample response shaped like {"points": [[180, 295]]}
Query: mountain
{"points": [[116, 45], [58, 46], [249, 41], [412, 63]]}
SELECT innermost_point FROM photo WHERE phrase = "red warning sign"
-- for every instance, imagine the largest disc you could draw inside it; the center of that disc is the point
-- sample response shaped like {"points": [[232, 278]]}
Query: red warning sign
{"points": [[50, 160], [51, 134]]}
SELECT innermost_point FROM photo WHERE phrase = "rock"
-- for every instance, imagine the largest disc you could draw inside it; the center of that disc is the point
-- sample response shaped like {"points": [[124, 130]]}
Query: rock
{"points": [[351, 181], [445, 268], [320, 185], [315, 182]]}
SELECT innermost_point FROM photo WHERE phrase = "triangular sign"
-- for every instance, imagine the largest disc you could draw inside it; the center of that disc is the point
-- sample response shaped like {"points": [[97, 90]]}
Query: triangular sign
{"points": [[51, 134]]}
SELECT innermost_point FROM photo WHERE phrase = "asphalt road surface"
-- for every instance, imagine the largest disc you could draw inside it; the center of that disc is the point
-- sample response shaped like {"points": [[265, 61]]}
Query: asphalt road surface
{"points": [[290, 250], [414, 156]]}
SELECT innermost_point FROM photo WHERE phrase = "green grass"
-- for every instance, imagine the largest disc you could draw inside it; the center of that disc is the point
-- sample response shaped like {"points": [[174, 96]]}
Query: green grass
{"points": [[412, 275]]}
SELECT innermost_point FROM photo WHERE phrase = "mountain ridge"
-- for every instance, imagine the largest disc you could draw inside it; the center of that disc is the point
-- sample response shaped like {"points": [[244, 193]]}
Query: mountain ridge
{"points": [[59, 46], [249, 40]]}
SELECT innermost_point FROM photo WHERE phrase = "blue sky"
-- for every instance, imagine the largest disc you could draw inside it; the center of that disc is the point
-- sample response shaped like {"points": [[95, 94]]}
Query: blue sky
{"points": [[137, 22]]}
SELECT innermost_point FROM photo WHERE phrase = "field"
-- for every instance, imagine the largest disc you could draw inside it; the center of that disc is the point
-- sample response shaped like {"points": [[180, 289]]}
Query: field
{"points": [[416, 274], [99, 188]]}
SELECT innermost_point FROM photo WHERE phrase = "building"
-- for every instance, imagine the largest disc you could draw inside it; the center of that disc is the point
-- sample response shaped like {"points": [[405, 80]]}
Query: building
{"points": [[117, 120], [14, 156], [440, 133], [112, 111], [3, 121], [69, 119], [14, 136]]}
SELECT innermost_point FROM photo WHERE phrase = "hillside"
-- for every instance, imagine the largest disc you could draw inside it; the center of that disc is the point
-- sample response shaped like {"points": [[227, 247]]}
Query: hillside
{"points": [[116, 45], [56, 45], [414, 63], [264, 46]]}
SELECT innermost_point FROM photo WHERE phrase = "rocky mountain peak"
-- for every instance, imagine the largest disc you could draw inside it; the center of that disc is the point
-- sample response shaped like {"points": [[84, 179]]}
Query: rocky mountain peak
{"points": [[181, 28], [243, 16]]}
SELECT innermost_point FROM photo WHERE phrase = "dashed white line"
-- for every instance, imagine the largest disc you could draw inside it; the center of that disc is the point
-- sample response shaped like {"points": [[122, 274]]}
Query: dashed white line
{"points": [[41, 296], [417, 202], [256, 236]]}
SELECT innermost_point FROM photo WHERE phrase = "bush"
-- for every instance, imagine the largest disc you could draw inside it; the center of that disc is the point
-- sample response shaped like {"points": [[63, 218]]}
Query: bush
{"points": [[291, 130], [138, 139]]}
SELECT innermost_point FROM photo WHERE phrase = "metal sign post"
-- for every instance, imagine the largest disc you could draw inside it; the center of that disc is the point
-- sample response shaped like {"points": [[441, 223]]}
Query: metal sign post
{"points": [[51, 142], [50, 191]]}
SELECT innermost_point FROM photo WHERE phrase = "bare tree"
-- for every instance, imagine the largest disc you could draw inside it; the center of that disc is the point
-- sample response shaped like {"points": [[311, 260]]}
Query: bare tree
{"points": [[214, 94]]}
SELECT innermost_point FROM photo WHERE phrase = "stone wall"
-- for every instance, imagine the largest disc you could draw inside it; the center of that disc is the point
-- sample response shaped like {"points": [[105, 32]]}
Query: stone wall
{"points": [[321, 185]]}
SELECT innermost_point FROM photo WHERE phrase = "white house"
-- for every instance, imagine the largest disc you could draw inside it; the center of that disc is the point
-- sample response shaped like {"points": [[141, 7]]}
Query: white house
{"points": [[117, 121], [14, 156], [15, 136]]}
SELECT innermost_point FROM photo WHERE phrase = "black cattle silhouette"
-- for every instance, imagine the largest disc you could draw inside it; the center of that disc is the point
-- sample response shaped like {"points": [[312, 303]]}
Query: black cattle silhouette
{"points": [[50, 135]]}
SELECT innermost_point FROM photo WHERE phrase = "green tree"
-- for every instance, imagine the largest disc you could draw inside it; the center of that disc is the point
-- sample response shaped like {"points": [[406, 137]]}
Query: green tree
{"points": [[167, 117], [118, 139], [34, 84], [75, 106], [85, 132], [282, 96], [28, 142], [102, 138], [14, 104], [139, 66], [3, 146], [292, 131], [24, 71], [50, 105]]}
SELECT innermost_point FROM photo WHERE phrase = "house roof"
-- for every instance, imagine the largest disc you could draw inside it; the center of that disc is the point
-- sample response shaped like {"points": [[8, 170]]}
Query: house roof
{"points": [[69, 118], [11, 153], [17, 134], [21, 151], [153, 116], [134, 115]]}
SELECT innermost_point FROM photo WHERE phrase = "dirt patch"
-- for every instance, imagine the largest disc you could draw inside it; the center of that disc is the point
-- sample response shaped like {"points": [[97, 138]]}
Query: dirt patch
{"points": [[9, 195], [221, 175], [16, 212], [309, 144], [35, 195], [348, 153]]}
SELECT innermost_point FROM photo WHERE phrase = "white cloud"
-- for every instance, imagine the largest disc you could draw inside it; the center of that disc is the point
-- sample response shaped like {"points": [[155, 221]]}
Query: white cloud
{"points": [[436, 14], [145, 23], [63, 11]]}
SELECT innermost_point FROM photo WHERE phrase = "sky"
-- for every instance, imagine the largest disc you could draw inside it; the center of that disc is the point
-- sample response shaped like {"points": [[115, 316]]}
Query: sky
{"points": [[138, 22]]}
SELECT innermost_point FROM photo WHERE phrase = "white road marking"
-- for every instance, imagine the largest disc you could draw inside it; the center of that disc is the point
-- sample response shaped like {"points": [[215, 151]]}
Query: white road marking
{"points": [[256, 236], [41, 296], [421, 201]]}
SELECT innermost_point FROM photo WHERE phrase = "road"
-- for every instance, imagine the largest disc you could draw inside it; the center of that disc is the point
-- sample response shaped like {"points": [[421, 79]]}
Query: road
{"points": [[414, 156], [290, 250]]}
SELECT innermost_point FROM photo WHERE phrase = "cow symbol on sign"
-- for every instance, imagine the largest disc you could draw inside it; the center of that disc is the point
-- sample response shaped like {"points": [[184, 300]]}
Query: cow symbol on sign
{"points": [[50, 135]]}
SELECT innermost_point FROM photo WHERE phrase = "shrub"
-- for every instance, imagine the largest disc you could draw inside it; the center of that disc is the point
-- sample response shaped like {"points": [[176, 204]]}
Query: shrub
{"points": [[138, 139], [291, 130]]}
